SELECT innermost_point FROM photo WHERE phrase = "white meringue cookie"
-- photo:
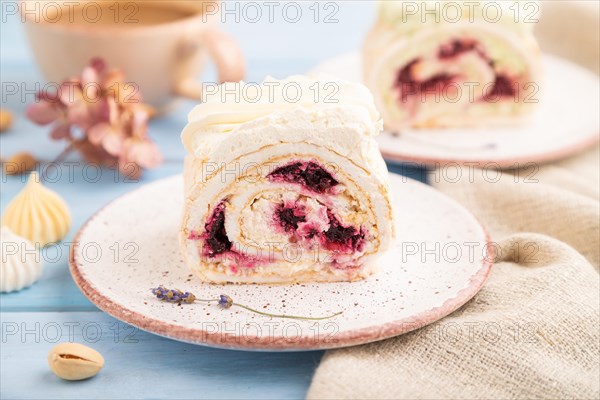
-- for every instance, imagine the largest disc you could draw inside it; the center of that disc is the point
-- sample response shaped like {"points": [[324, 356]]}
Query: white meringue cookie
{"points": [[21, 264], [37, 213]]}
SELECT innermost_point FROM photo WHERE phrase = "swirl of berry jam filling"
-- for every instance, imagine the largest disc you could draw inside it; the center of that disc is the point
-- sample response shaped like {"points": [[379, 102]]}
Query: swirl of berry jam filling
{"points": [[303, 219], [308, 174], [457, 47], [215, 237], [217, 244], [343, 238], [410, 87], [331, 233]]}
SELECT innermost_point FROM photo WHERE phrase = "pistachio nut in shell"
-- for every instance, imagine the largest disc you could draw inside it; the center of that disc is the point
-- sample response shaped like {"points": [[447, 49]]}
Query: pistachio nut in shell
{"points": [[74, 361]]}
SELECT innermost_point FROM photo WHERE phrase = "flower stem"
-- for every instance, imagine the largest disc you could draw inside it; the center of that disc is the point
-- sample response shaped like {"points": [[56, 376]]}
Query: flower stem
{"points": [[285, 315], [63, 154], [275, 315]]}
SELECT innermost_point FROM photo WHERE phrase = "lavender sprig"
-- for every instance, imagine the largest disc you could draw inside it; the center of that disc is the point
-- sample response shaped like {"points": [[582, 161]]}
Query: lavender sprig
{"points": [[173, 295], [224, 301]]}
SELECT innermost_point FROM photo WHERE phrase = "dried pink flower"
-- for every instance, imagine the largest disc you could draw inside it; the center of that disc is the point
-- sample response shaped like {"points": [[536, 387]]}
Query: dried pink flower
{"points": [[110, 115]]}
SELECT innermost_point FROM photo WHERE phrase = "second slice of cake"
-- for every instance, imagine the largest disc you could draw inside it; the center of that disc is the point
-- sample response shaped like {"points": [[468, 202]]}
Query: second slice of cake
{"points": [[453, 64], [284, 183]]}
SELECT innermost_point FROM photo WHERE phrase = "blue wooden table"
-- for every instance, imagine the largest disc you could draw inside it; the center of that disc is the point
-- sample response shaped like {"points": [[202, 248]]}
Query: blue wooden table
{"points": [[139, 364]]}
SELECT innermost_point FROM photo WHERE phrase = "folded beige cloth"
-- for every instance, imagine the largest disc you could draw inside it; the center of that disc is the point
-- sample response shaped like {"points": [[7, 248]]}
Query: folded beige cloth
{"points": [[533, 330]]}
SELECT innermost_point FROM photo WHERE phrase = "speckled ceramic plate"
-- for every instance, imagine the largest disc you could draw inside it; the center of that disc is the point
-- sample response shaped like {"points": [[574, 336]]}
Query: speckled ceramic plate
{"points": [[439, 261], [565, 123]]}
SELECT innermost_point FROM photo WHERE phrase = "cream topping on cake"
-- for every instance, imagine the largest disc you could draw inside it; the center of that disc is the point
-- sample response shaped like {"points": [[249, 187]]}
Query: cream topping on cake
{"points": [[295, 101], [234, 103], [228, 125]]}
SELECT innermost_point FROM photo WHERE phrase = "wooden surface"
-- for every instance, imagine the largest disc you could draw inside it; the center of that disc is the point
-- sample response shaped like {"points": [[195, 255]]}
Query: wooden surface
{"points": [[138, 364]]}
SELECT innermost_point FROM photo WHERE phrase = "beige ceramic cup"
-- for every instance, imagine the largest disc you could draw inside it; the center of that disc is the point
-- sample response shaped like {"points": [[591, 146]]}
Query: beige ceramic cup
{"points": [[161, 50]]}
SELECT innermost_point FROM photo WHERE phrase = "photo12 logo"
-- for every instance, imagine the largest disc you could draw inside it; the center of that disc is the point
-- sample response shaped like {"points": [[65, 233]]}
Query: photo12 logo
{"points": [[270, 332], [70, 172], [89, 252], [73, 12], [272, 92], [68, 92], [325, 12], [71, 331], [250, 172], [135, 12], [469, 11]]}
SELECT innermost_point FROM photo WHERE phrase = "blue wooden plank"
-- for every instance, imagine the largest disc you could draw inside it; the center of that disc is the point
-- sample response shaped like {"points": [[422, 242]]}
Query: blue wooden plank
{"points": [[84, 195], [139, 364]]}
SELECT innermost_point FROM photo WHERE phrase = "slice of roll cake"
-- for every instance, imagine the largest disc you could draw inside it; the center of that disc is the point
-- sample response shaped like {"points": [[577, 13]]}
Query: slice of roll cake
{"points": [[445, 63], [284, 183]]}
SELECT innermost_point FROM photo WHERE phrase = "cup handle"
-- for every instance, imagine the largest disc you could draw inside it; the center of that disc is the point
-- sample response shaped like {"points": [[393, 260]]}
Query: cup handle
{"points": [[228, 58]]}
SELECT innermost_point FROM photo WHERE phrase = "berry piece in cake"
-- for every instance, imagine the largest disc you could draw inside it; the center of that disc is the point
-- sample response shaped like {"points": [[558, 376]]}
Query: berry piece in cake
{"points": [[457, 47], [309, 174], [215, 237], [346, 239], [289, 217]]}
